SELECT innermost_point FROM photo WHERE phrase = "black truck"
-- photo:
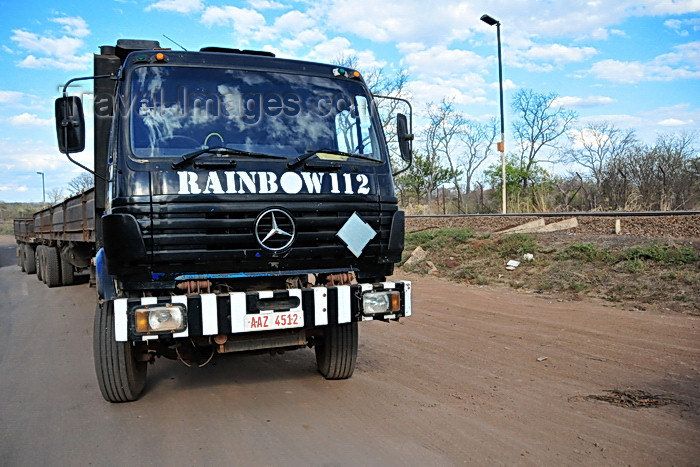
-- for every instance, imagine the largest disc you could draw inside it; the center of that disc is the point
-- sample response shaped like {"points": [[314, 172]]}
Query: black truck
{"points": [[242, 203]]}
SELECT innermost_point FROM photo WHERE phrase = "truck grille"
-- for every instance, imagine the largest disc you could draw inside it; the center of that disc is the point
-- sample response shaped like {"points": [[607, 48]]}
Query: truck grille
{"points": [[221, 237]]}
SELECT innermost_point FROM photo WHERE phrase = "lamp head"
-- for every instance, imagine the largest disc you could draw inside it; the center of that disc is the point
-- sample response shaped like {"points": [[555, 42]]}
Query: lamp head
{"points": [[489, 20]]}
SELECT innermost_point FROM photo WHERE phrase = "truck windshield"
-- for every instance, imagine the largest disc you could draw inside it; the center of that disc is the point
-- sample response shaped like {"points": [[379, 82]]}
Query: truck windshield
{"points": [[176, 109]]}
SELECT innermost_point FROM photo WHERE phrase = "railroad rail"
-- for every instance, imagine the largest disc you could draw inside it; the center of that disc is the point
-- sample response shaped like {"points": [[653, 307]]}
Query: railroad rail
{"points": [[563, 214], [652, 224]]}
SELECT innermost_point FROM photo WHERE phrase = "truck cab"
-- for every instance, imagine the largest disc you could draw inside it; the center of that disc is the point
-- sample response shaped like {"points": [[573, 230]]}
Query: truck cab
{"points": [[246, 204]]}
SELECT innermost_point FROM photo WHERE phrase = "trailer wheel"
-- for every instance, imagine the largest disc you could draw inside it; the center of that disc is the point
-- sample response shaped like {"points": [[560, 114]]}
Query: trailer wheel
{"points": [[337, 352], [39, 261], [67, 276], [28, 259], [52, 272], [120, 376]]}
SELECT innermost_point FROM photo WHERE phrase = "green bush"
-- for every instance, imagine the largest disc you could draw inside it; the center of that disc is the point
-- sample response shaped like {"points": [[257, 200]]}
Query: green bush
{"points": [[659, 253], [584, 252], [515, 245]]}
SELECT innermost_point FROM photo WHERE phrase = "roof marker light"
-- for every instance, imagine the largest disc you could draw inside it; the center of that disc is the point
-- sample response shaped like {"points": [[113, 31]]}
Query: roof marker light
{"points": [[160, 56]]}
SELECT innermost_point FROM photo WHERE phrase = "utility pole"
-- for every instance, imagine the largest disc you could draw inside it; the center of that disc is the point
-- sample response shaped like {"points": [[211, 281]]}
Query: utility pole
{"points": [[43, 187], [502, 145]]}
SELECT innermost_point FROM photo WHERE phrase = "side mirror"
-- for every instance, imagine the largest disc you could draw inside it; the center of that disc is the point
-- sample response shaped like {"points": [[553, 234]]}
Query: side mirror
{"points": [[70, 124], [404, 138]]}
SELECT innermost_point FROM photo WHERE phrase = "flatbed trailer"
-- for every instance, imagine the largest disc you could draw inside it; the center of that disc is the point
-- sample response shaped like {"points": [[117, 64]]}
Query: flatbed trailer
{"points": [[58, 241]]}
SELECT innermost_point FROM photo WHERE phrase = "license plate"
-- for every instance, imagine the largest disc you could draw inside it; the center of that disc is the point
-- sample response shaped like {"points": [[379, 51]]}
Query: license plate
{"points": [[278, 320]]}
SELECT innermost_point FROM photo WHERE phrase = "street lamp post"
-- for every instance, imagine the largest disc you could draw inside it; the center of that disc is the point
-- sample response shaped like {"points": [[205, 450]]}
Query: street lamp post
{"points": [[502, 145], [43, 186]]}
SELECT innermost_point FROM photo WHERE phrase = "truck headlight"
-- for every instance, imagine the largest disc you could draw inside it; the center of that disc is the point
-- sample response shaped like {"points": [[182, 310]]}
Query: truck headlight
{"points": [[376, 303], [166, 317]]}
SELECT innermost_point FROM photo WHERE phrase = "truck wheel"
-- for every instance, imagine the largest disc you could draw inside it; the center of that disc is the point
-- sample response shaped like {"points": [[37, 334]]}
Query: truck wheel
{"points": [[337, 352], [28, 259], [120, 376], [52, 273], [20, 256], [39, 262], [67, 276]]}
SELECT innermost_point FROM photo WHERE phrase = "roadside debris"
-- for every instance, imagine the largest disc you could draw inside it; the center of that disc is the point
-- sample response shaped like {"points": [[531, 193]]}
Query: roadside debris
{"points": [[512, 264], [633, 398], [417, 256]]}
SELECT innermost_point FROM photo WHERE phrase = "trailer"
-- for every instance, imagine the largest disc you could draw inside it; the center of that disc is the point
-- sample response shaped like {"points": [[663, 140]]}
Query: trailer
{"points": [[59, 241]]}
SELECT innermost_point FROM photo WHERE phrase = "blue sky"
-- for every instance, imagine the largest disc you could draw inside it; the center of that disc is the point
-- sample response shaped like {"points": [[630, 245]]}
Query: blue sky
{"points": [[633, 63]]}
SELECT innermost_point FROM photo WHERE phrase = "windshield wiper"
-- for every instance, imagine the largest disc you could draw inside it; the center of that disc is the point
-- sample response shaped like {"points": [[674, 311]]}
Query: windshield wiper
{"points": [[220, 151], [314, 152]]}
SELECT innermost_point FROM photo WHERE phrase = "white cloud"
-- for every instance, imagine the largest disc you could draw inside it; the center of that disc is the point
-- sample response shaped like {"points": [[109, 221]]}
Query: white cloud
{"points": [[683, 63], [239, 18], [10, 96], [574, 102], [79, 62], [178, 6], [559, 53], [55, 46], [265, 5], [441, 61], [247, 24], [30, 120], [310, 36], [635, 72], [73, 25], [328, 50], [20, 188], [673, 23], [688, 53], [48, 51], [619, 33], [675, 122], [599, 34], [293, 21], [397, 20]]}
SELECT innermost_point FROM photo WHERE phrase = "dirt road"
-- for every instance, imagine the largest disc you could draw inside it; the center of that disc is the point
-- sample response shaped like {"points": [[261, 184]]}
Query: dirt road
{"points": [[457, 383]]}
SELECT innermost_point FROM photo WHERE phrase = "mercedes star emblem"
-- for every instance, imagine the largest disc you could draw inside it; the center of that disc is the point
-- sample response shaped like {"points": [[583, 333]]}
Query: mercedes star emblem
{"points": [[274, 229]]}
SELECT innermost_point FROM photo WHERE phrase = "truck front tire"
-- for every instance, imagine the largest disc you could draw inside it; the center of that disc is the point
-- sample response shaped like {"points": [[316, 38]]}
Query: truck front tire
{"points": [[120, 376], [337, 352]]}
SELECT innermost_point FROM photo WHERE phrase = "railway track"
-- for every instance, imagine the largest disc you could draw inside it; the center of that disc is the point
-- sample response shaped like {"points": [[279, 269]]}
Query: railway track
{"points": [[662, 224]]}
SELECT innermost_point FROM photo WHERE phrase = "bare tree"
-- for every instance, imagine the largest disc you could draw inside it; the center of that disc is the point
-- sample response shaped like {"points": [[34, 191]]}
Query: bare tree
{"points": [[540, 124], [384, 83], [445, 128], [82, 182], [55, 195], [661, 177], [478, 139], [677, 183], [597, 143]]}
